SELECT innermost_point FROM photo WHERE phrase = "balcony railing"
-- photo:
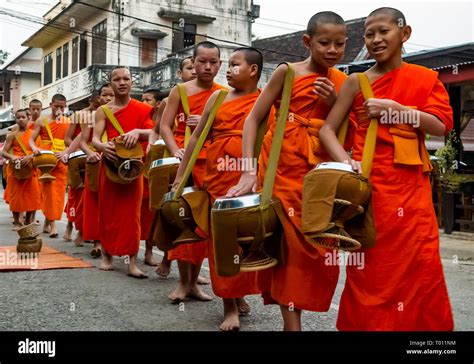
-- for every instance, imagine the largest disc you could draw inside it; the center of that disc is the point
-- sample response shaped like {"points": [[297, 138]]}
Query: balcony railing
{"points": [[81, 84]]}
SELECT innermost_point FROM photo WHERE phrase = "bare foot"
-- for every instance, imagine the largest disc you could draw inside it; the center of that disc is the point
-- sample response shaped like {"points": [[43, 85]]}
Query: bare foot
{"points": [[197, 293], [78, 241], [203, 280], [179, 294], [163, 269], [46, 227], [231, 322], [106, 263], [54, 230], [68, 233], [150, 259], [136, 273], [242, 306]]}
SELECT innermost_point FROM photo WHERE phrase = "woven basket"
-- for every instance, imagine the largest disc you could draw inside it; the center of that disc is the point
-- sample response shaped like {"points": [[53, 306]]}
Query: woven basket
{"points": [[28, 231], [29, 245]]}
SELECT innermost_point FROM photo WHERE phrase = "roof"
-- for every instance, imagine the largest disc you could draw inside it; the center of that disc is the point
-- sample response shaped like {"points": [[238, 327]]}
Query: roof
{"points": [[292, 44]]}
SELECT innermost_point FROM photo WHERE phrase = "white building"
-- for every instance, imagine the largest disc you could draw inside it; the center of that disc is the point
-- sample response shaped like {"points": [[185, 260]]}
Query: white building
{"points": [[83, 40]]}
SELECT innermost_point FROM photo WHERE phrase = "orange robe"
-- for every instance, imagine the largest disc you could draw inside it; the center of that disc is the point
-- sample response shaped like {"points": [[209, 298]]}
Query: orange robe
{"points": [[226, 142], [90, 220], [24, 194], [119, 204], [52, 193], [401, 286], [74, 205], [195, 252], [146, 216], [304, 281]]}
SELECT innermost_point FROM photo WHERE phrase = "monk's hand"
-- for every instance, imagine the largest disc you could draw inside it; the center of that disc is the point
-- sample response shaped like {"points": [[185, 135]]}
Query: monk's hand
{"points": [[179, 153], [376, 107], [131, 138], [326, 90], [248, 183], [193, 120], [24, 161], [356, 165], [36, 151], [93, 158], [108, 150], [62, 156], [176, 182]]}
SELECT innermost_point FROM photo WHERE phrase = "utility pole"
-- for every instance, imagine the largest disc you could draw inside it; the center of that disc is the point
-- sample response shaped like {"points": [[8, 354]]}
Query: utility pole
{"points": [[119, 9]]}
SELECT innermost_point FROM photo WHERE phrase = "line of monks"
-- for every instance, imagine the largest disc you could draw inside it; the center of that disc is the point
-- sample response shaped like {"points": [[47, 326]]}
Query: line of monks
{"points": [[401, 286]]}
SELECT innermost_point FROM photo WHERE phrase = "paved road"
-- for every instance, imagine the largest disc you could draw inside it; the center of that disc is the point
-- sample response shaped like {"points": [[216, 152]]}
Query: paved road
{"points": [[90, 299]]}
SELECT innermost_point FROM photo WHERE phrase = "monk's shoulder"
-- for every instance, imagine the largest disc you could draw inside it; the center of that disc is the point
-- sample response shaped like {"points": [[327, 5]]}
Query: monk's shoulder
{"points": [[420, 71]]}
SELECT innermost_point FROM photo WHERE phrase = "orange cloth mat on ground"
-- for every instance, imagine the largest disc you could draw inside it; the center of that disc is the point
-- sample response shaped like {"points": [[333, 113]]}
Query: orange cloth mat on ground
{"points": [[48, 258]]}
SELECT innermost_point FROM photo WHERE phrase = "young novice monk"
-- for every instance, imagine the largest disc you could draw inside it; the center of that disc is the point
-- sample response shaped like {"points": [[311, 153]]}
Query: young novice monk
{"points": [[245, 68], [402, 285], [24, 194], [206, 64], [304, 281]]}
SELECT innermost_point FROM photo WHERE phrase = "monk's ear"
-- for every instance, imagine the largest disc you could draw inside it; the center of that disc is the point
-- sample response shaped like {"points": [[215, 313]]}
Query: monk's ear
{"points": [[406, 33], [307, 41], [253, 70]]}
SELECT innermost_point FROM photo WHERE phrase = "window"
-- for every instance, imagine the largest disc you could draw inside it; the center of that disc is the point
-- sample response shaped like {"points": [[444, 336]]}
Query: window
{"points": [[183, 39], [48, 69], [83, 52], [75, 54], [99, 43], [147, 52], [58, 63], [1, 101], [65, 59]]}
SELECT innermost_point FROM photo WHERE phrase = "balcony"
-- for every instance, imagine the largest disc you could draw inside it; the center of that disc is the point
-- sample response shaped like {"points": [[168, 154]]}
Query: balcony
{"points": [[80, 85]]}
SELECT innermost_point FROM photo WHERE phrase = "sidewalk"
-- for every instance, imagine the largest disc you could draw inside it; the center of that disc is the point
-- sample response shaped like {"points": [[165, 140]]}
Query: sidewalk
{"points": [[457, 244]]}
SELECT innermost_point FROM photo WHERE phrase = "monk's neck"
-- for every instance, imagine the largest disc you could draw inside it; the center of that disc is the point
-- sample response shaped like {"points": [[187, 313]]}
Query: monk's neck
{"points": [[205, 85], [389, 65], [122, 101], [246, 90], [21, 130], [314, 67]]}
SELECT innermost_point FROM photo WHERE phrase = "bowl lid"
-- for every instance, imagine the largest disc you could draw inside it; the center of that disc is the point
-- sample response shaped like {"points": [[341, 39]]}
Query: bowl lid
{"points": [[229, 203], [165, 162], [335, 165]]}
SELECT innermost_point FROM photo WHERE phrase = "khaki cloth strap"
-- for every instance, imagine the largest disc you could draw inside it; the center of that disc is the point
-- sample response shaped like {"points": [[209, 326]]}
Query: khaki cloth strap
{"points": [[48, 130], [110, 115], [202, 138], [185, 102], [371, 137], [277, 140], [20, 143]]}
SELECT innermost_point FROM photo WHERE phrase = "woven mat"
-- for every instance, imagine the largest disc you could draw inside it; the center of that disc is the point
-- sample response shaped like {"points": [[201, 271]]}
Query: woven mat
{"points": [[48, 258]]}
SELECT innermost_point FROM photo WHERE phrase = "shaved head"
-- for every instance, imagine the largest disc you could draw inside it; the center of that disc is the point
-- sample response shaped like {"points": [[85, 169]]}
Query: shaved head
{"points": [[252, 56], [395, 15], [324, 17], [125, 69]]}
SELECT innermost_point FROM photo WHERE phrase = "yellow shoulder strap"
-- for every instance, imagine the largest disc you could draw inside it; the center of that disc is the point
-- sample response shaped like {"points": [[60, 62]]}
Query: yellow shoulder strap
{"points": [[48, 129], [202, 138], [185, 102], [20, 142], [341, 134], [110, 115], [371, 137]]}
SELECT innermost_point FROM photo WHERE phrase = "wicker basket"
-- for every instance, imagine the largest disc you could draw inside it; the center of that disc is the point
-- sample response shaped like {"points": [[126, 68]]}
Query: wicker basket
{"points": [[29, 245], [29, 231]]}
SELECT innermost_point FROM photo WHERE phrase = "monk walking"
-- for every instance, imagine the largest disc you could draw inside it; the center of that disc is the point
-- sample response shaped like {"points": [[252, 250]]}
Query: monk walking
{"points": [[304, 281], [119, 204], [52, 131], [206, 65], [402, 285]]}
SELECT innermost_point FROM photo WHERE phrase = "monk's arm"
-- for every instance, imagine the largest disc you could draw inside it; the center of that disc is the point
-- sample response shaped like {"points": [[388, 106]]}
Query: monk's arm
{"points": [[429, 124], [167, 121], [34, 135], [194, 138], [92, 156], [7, 146], [328, 133], [155, 133], [69, 134], [248, 180]]}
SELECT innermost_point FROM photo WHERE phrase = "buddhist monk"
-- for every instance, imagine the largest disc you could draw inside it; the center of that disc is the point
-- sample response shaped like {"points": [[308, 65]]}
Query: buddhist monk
{"points": [[52, 131], [402, 285], [243, 74], [304, 281], [35, 107], [206, 65], [74, 205], [24, 194], [91, 228], [119, 204]]}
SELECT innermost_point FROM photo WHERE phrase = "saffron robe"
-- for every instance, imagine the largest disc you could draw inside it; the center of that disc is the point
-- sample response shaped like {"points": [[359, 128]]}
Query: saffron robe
{"points": [[304, 281], [119, 204], [401, 286]]}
